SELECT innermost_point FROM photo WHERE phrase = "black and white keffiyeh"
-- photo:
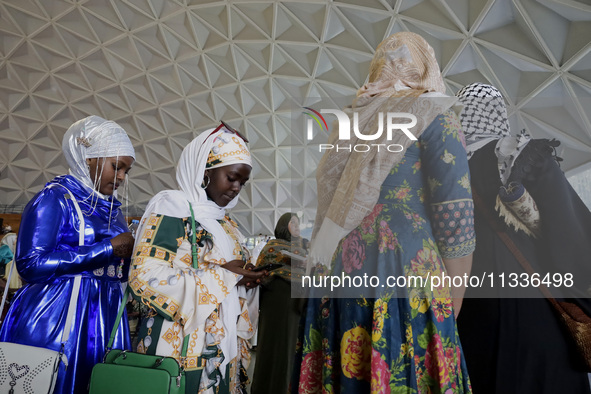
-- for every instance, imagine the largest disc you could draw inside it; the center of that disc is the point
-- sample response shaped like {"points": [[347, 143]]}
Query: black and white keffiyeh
{"points": [[484, 119]]}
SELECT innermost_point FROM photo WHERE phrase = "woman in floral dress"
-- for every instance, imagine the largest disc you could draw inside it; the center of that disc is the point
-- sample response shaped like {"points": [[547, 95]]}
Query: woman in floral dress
{"points": [[420, 223]]}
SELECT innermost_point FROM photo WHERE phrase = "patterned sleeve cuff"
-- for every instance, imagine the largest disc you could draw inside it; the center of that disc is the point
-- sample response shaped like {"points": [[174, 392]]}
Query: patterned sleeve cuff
{"points": [[453, 227], [462, 250]]}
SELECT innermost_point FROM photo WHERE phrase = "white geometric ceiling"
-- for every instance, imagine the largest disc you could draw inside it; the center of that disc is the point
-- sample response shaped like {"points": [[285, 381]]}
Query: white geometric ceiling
{"points": [[168, 69]]}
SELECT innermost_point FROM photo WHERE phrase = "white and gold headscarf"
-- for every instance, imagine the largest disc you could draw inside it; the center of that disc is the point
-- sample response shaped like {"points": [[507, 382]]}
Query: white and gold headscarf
{"points": [[194, 160]]}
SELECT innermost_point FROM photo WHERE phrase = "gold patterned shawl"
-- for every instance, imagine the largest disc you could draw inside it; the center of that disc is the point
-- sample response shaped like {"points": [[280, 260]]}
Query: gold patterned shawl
{"points": [[291, 269]]}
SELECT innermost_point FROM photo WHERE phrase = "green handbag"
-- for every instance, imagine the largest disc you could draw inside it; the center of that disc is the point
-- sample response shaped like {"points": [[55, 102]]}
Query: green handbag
{"points": [[125, 372]]}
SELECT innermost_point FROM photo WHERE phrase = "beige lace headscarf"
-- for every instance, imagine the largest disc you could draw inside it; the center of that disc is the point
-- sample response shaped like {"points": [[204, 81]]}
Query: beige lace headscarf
{"points": [[404, 77]]}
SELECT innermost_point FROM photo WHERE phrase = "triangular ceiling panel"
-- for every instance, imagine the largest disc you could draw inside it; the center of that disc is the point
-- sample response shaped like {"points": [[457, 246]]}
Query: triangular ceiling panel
{"points": [[329, 69], [29, 19], [266, 159], [287, 199], [11, 32], [51, 39], [27, 127], [296, 90], [284, 64], [8, 42], [289, 124], [505, 27], [195, 69], [559, 112], [224, 111], [175, 117], [252, 104], [203, 103], [568, 147], [169, 79], [467, 11], [49, 90], [305, 55], [231, 96], [55, 10], [70, 22], [157, 9], [177, 47], [469, 67], [432, 12], [575, 42], [132, 18], [263, 192], [218, 75], [243, 29], [151, 129], [518, 77], [50, 59], [258, 141], [262, 130], [216, 18], [259, 52], [371, 25], [582, 93], [26, 55], [79, 46], [140, 94], [340, 32], [310, 14], [552, 28], [47, 108], [289, 28], [261, 15], [105, 23], [445, 43], [357, 64], [72, 75], [368, 3], [180, 26], [206, 37], [262, 220]]}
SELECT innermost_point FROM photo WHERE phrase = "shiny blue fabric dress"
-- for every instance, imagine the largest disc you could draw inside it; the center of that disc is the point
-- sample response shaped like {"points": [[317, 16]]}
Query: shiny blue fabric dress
{"points": [[47, 257]]}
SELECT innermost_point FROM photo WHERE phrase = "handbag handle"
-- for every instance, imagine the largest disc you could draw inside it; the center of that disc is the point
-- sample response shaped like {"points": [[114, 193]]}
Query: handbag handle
{"points": [[118, 320]]}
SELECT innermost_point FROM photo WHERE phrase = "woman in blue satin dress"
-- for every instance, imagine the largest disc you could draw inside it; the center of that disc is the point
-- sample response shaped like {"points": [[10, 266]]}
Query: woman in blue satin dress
{"points": [[48, 255]]}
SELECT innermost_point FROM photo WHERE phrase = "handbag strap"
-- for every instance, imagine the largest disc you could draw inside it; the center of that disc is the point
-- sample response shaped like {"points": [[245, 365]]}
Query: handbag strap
{"points": [[193, 239], [5, 293], [77, 279], [118, 319], [479, 204], [185, 344]]}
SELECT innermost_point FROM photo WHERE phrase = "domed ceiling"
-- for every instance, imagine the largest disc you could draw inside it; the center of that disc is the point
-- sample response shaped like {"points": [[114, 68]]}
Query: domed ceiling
{"points": [[168, 69]]}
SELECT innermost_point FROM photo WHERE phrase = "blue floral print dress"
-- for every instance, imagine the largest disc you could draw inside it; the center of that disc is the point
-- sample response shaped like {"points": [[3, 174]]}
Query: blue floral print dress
{"points": [[404, 342]]}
